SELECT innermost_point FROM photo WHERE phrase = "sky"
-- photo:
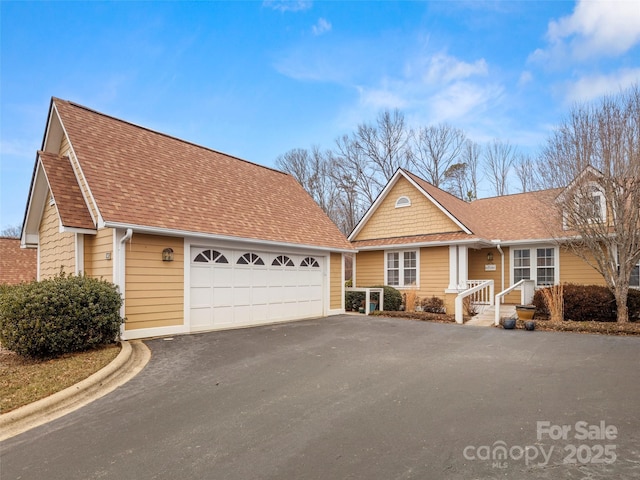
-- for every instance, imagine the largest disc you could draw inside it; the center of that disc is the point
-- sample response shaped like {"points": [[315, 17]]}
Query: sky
{"points": [[256, 79]]}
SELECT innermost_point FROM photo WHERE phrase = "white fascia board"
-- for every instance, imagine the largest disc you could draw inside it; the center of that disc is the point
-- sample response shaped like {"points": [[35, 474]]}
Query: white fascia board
{"points": [[85, 231], [36, 203], [223, 238], [374, 206], [437, 204], [401, 246]]}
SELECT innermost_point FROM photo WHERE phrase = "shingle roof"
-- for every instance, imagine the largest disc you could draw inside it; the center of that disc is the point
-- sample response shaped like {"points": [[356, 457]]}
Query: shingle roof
{"points": [[436, 238], [16, 264], [71, 206], [142, 177], [523, 216]]}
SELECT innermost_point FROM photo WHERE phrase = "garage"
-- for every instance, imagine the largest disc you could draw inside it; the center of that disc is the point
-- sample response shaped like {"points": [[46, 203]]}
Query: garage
{"points": [[231, 288]]}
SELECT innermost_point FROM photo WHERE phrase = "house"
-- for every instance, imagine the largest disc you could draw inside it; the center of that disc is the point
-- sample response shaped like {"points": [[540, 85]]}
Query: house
{"points": [[195, 239], [417, 236], [16, 264]]}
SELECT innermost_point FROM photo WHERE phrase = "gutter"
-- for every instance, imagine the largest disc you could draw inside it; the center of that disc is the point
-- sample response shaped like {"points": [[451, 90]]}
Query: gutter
{"points": [[499, 247], [227, 238], [121, 272]]}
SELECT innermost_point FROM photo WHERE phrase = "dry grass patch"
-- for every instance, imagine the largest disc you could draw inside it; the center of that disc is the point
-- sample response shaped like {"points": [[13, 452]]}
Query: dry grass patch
{"points": [[23, 380]]}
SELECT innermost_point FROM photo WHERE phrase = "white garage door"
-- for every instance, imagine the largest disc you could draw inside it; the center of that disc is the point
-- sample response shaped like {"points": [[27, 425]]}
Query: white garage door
{"points": [[234, 288]]}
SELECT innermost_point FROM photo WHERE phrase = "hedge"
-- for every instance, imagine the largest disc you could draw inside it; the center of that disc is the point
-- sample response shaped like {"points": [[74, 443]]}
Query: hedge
{"points": [[590, 303], [392, 298], [64, 314]]}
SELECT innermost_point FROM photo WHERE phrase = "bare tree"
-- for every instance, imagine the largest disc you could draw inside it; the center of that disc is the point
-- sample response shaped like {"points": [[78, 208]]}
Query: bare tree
{"points": [[598, 148], [457, 181], [12, 231], [526, 173], [385, 145], [471, 155], [499, 158], [313, 171], [436, 149]]}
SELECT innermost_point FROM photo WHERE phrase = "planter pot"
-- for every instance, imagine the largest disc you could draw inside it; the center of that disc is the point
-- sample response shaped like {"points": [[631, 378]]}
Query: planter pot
{"points": [[525, 312], [530, 325], [509, 323]]}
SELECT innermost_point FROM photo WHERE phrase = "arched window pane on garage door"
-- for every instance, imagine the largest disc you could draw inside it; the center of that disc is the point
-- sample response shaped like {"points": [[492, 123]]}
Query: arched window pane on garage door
{"points": [[309, 262], [282, 261], [210, 256], [250, 259]]}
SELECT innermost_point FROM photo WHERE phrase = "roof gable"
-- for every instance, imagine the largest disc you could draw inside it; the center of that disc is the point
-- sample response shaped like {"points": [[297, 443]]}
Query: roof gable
{"points": [[144, 178], [420, 216], [433, 195]]}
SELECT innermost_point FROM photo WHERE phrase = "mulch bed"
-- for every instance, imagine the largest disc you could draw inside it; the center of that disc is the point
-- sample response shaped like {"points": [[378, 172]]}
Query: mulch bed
{"points": [[602, 328]]}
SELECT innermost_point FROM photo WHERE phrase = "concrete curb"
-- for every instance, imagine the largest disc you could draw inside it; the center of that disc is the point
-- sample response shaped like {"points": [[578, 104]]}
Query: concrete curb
{"points": [[132, 358]]}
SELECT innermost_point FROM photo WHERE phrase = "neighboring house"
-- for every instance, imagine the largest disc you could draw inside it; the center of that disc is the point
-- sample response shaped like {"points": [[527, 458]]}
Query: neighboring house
{"points": [[195, 239], [16, 264], [416, 236]]}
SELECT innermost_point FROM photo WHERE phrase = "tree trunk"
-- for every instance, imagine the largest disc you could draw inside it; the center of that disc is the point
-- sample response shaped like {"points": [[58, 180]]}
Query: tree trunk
{"points": [[621, 295]]}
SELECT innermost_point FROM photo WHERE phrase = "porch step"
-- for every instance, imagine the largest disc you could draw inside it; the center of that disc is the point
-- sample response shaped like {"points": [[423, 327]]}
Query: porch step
{"points": [[486, 316]]}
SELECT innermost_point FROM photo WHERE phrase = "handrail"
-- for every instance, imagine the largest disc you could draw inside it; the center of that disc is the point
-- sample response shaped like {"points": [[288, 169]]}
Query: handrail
{"points": [[471, 291], [526, 295]]}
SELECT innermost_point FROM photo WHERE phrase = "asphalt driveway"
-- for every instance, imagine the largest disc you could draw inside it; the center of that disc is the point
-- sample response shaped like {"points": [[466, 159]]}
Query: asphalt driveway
{"points": [[355, 397]]}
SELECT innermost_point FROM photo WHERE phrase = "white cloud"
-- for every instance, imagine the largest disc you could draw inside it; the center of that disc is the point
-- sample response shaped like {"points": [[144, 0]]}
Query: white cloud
{"points": [[288, 5], [590, 87], [445, 68], [595, 28], [525, 78], [321, 27], [435, 89]]}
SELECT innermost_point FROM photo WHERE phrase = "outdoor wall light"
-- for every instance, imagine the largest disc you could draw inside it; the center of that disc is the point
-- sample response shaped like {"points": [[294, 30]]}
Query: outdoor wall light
{"points": [[489, 257], [167, 255]]}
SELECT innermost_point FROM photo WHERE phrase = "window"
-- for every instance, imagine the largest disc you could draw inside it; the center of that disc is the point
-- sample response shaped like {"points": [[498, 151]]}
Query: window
{"points": [[282, 261], [309, 262], [521, 265], [546, 269], [593, 205], [402, 268], [544, 273], [210, 256], [634, 280], [250, 259], [403, 202]]}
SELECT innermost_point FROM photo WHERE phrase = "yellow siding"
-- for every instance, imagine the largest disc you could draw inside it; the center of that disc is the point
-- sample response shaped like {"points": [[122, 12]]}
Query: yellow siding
{"points": [[65, 151], [57, 250], [434, 272], [96, 248], [422, 217], [335, 282], [154, 289], [477, 261], [573, 269], [369, 268]]}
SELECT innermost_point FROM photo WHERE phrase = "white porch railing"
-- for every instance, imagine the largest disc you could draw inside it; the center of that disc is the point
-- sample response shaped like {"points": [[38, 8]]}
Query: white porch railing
{"points": [[481, 297], [367, 297], [527, 290], [485, 284]]}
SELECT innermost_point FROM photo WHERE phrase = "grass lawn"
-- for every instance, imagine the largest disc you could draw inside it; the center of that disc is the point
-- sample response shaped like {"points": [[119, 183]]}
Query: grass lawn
{"points": [[23, 381]]}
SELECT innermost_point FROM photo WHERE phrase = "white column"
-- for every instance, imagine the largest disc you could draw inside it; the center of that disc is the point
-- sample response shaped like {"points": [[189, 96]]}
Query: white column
{"points": [[453, 267], [463, 266]]}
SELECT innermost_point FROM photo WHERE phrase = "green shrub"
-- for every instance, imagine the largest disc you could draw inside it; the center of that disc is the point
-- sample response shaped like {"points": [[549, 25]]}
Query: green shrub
{"points": [[590, 303], [57, 316], [392, 298]]}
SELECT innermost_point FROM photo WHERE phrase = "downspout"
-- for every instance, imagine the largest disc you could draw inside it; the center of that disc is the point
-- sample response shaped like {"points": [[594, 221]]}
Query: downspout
{"points": [[121, 272], [497, 242]]}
